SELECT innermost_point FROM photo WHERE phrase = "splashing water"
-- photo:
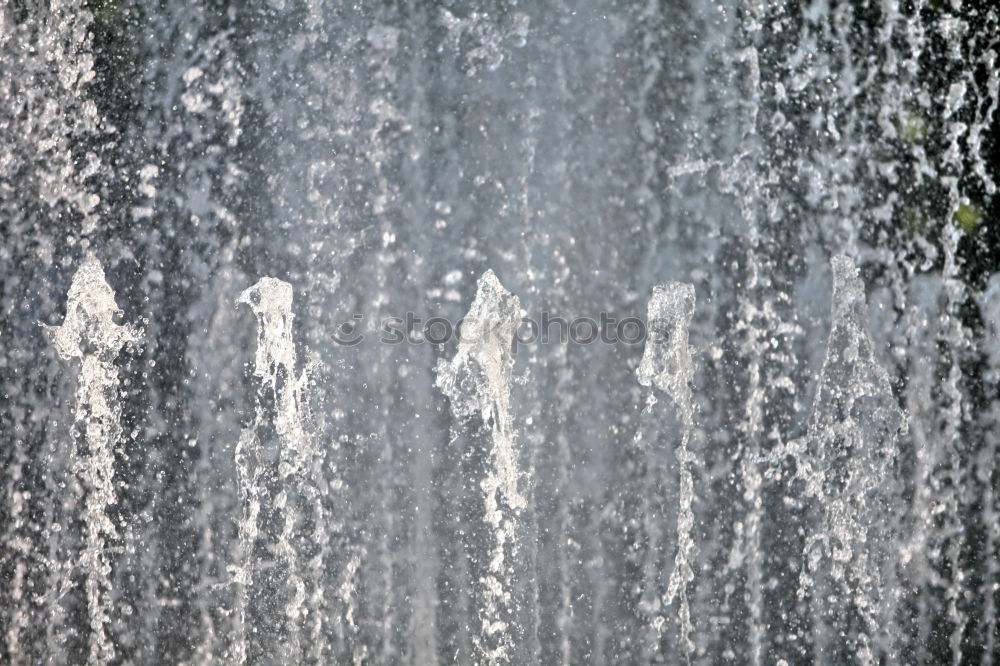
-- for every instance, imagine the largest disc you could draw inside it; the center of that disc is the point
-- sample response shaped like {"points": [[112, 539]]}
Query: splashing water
{"points": [[844, 463], [90, 334], [281, 487], [668, 365], [477, 382], [818, 485]]}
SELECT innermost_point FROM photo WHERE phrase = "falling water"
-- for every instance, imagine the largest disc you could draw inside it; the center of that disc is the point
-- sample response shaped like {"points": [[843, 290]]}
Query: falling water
{"points": [[801, 469]]}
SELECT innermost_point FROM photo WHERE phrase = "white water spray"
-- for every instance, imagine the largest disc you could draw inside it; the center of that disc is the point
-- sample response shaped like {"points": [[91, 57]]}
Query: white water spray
{"points": [[845, 461], [668, 365], [288, 480], [477, 382], [89, 333]]}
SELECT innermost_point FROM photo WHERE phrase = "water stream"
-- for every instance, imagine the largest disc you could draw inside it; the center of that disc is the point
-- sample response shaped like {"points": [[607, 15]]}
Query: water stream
{"points": [[499, 332]]}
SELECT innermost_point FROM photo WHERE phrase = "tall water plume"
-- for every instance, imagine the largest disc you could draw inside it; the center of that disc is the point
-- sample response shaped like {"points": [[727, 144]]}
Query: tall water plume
{"points": [[477, 382]]}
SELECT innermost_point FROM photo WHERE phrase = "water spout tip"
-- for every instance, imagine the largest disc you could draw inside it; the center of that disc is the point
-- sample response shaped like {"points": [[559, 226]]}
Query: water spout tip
{"points": [[269, 292]]}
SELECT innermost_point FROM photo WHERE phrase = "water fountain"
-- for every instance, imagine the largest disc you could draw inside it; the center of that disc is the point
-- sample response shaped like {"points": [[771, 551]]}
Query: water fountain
{"points": [[242, 423]]}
